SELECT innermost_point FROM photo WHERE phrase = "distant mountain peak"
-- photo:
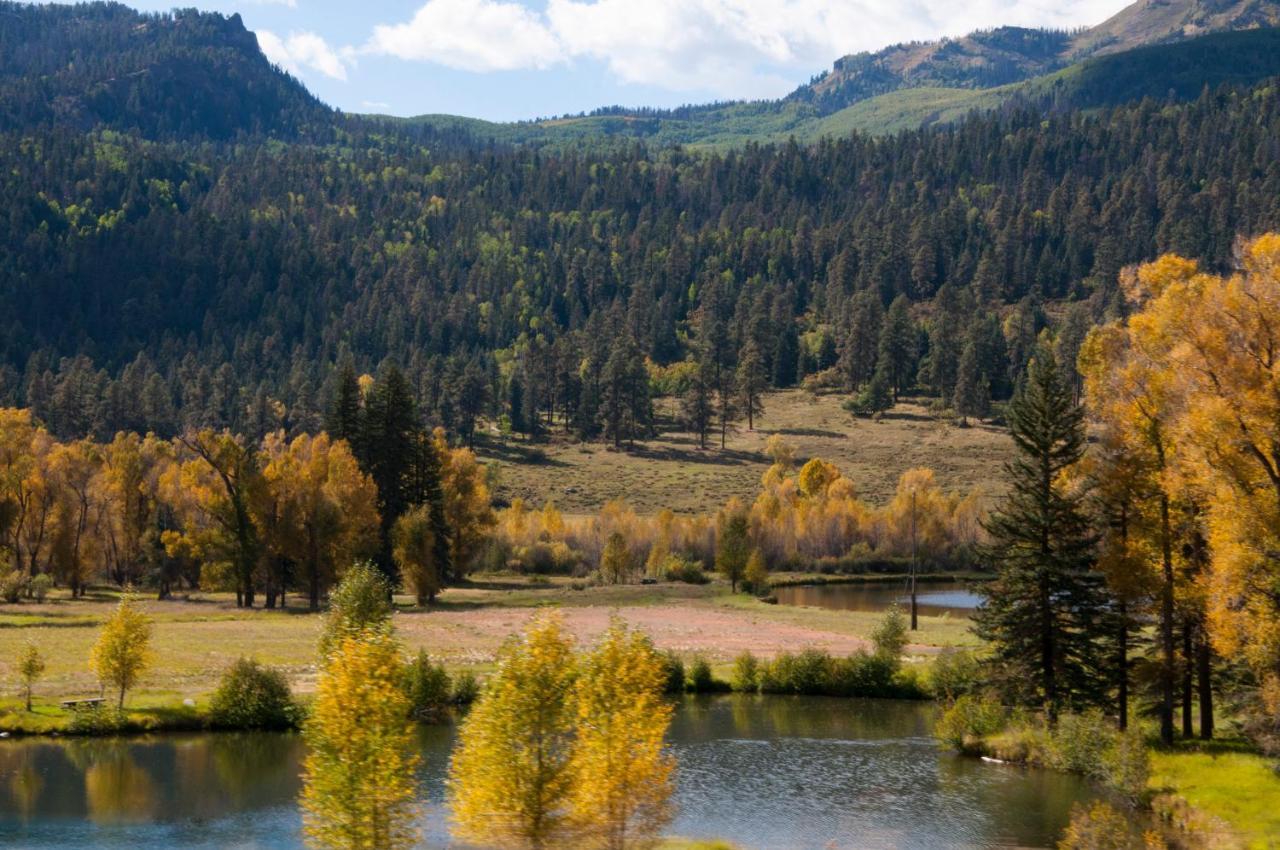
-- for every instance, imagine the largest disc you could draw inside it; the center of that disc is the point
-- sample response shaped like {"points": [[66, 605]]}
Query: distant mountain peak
{"points": [[1003, 55]]}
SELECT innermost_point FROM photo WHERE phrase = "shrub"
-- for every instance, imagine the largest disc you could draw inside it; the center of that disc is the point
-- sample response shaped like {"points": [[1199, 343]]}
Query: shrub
{"points": [[427, 688], [1127, 765], [746, 674], [252, 696], [676, 568], [1078, 742], [1100, 827], [106, 720], [40, 586], [969, 720], [955, 673], [700, 680], [675, 673], [890, 636], [465, 688], [12, 585]]}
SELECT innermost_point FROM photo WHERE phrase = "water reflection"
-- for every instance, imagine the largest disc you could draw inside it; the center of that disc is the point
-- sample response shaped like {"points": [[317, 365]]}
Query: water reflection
{"points": [[934, 598], [774, 773]]}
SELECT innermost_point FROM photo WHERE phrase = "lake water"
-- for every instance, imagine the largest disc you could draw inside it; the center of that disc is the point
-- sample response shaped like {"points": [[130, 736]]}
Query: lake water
{"points": [[773, 773], [933, 598]]}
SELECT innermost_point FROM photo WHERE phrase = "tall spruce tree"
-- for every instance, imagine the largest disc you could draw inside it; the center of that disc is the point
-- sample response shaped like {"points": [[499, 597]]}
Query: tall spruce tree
{"points": [[343, 420], [1046, 614], [390, 440], [896, 347]]}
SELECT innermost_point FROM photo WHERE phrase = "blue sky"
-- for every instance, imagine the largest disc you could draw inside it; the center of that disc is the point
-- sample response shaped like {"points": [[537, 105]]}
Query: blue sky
{"points": [[521, 59]]}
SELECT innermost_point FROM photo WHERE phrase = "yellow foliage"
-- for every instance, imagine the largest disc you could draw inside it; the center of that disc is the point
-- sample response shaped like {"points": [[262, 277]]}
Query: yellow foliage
{"points": [[123, 649], [510, 780], [622, 786], [358, 791]]}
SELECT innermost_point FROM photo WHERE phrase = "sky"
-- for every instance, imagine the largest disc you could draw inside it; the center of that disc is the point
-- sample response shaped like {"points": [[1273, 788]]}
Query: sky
{"points": [[507, 60]]}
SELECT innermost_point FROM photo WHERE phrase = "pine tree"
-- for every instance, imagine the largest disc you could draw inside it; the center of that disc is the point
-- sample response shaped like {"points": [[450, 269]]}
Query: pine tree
{"points": [[698, 403], [343, 419], [390, 438], [859, 343], [973, 391], [1044, 615], [896, 347], [752, 382]]}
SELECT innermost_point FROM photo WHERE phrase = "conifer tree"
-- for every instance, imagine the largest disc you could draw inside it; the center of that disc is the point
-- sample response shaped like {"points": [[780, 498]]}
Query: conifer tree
{"points": [[1044, 614], [896, 347], [973, 390], [343, 419], [752, 382]]}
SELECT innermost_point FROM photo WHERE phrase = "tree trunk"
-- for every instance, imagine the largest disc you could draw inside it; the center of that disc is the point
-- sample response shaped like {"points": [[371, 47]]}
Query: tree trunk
{"points": [[1188, 686], [1204, 665], [1168, 648], [1122, 695]]}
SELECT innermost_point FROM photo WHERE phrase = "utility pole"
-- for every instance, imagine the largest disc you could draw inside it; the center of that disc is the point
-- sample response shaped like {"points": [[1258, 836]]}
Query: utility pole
{"points": [[914, 550]]}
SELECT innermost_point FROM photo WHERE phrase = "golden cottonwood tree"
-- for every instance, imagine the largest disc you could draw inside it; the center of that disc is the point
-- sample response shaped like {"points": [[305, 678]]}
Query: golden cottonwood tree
{"points": [[467, 511], [358, 777], [317, 509], [29, 494], [74, 469], [1223, 349], [622, 776], [415, 549], [511, 779]]}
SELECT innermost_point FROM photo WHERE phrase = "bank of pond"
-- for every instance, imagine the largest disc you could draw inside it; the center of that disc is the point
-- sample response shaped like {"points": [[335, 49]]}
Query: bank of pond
{"points": [[762, 771]]}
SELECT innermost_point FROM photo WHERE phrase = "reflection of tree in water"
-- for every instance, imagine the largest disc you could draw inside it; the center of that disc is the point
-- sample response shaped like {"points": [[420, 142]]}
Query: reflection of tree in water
{"points": [[116, 788], [254, 767], [25, 782]]}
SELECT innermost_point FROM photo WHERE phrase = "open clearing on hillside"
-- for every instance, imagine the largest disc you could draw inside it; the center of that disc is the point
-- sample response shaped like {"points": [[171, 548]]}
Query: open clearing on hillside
{"points": [[196, 640], [670, 471]]}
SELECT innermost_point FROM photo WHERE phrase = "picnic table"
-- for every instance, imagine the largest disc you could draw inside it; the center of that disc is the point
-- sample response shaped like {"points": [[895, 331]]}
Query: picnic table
{"points": [[89, 702]]}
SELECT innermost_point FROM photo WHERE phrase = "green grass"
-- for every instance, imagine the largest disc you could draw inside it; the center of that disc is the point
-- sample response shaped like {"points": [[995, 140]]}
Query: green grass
{"points": [[1240, 789]]}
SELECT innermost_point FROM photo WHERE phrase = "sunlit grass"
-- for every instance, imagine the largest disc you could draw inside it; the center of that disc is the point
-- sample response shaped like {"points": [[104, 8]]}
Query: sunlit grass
{"points": [[1240, 788]]}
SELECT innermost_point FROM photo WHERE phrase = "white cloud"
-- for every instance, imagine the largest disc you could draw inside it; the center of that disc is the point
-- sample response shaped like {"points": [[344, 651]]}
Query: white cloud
{"points": [[304, 50], [734, 48], [472, 35]]}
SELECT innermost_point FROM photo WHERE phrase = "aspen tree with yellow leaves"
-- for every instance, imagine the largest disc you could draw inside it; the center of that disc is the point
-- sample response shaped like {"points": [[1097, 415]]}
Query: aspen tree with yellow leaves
{"points": [[123, 649], [622, 775], [511, 781], [358, 777]]}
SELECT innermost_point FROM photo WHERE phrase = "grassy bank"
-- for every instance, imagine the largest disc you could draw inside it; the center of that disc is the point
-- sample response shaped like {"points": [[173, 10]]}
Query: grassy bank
{"points": [[1226, 797]]}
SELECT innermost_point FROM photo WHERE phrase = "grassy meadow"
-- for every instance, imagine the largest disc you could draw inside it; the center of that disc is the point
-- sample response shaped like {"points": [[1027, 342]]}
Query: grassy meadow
{"points": [[671, 471]]}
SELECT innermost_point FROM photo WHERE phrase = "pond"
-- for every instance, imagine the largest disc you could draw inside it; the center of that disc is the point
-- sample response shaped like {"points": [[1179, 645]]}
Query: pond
{"points": [[933, 598], [774, 773]]}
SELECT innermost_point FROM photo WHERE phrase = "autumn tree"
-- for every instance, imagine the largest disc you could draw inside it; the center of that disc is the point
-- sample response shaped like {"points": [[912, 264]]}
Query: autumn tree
{"points": [[468, 514], [322, 508], [358, 777], [415, 550], [511, 779], [123, 649], [31, 667], [216, 488], [616, 563], [622, 775], [361, 603], [1040, 614]]}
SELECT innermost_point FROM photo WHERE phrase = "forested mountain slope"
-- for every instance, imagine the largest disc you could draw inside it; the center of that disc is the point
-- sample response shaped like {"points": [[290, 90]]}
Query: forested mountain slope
{"points": [[216, 282], [103, 65]]}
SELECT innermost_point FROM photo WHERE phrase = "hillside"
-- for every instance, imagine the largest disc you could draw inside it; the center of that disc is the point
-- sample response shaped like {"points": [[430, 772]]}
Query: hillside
{"points": [[1160, 48], [103, 65]]}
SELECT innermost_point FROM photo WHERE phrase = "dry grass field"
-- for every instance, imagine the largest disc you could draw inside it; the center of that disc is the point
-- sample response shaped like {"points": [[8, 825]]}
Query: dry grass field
{"points": [[670, 471], [196, 639]]}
